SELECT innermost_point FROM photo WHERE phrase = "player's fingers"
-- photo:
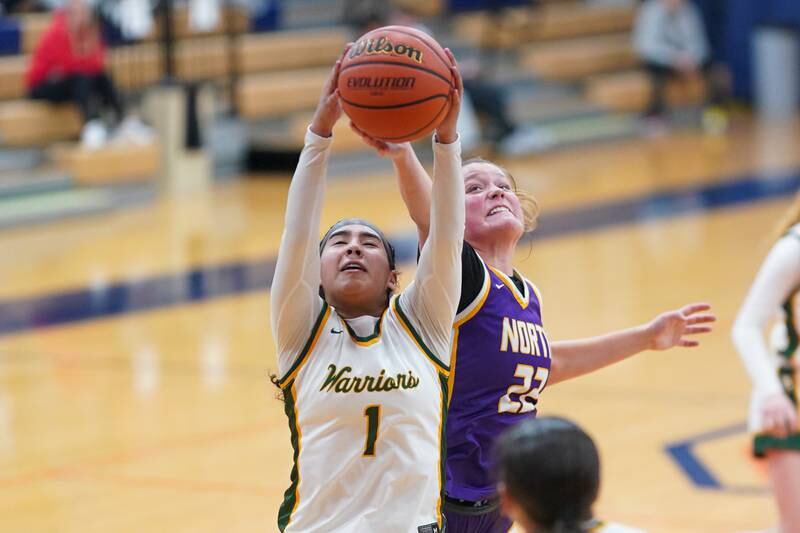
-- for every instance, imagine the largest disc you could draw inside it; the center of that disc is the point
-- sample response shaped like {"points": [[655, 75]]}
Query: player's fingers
{"points": [[334, 78], [701, 319], [458, 82], [685, 343], [693, 308], [694, 330], [767, 424]]}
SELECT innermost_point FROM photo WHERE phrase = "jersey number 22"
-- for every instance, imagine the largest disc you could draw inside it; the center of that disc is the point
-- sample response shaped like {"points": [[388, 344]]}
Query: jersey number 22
{"points": [[527, 392]]}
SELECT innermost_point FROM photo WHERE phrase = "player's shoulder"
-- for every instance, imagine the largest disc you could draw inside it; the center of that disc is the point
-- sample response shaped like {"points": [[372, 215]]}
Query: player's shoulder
{"points": [[794, 231]]}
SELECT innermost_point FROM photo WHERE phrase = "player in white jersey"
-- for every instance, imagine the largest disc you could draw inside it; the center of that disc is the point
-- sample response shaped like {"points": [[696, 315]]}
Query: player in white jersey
{"points": [[549, 472], [363, 370], [773, 370]]}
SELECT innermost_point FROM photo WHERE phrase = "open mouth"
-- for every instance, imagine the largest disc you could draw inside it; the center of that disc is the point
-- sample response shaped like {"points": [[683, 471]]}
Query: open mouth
{"points": [[353, 267], [499, 209]]}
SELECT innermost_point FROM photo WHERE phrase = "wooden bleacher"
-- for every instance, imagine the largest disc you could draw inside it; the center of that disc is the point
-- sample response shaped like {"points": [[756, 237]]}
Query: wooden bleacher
{"points": [[276, 94], [110, 164], [33, 26], [12, 77], [548, 21], [289, 50], [573, 41], [630, 91], [573, 59], [25, 123]]}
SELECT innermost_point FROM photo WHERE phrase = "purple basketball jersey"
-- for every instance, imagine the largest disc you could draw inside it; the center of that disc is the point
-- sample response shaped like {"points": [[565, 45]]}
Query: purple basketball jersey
{"points": [[502, 364]]}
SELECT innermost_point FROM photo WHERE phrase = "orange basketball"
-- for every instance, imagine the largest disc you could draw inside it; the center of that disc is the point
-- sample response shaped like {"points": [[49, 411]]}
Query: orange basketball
{"points": [[395, 83]]}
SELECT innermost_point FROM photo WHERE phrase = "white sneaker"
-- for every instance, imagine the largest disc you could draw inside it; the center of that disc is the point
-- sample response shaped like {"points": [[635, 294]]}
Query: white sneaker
{"points": [[94, 134], [133, 130]]}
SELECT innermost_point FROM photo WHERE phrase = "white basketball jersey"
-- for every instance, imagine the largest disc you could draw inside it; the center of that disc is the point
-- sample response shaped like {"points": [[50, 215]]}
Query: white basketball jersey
{"points": [[367, 419]]}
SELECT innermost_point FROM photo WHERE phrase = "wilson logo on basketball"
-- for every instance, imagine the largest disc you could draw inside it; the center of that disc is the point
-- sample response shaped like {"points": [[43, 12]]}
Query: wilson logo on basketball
{"points": [[382, 45], [367, 82]]}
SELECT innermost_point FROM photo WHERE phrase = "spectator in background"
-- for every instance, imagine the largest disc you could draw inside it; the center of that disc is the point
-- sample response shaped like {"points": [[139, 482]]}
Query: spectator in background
{"points": [[549, 477], [670, 38], [69, 66]]}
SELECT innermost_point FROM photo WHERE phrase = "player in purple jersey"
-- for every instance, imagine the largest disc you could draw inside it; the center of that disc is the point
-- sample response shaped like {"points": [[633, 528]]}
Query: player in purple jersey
{"points": [[502, 358]]}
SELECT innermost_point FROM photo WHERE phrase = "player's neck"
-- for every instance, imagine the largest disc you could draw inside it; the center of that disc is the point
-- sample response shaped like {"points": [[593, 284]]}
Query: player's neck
{"points": [[498, 255], [352, 310]]}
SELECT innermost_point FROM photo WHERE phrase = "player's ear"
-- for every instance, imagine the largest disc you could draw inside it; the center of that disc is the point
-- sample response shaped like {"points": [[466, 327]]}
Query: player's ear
{"points": [[393, 281]]}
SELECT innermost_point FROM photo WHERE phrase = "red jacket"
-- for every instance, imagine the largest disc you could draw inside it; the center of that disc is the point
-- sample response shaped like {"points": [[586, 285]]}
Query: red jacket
{"points": [[54, 55]]}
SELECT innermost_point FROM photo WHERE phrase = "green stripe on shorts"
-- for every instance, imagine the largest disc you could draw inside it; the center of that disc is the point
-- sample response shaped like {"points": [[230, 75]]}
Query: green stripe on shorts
{"points": [[763, 443]]}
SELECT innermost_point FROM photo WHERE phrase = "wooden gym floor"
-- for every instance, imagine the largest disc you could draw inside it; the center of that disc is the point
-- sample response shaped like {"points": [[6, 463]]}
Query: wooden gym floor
{"points": [[135, 346]]}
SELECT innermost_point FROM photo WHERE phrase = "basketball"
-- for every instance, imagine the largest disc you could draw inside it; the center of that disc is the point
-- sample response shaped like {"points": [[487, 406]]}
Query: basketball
{"points": [[394, 84]]}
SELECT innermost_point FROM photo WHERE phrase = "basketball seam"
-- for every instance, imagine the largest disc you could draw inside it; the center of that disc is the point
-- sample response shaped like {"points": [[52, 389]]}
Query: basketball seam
{"points": [[396, 64], [394, 106]]}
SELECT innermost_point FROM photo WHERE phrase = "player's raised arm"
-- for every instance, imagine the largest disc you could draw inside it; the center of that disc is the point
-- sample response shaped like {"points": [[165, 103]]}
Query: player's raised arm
{"points": [[436, 289], [670, 329], [295, 300], [412, 178]]}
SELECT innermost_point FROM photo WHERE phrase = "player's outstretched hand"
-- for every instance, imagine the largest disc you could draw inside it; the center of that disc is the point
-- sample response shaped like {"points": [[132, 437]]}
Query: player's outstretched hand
{"points": [[675, 328], [329, 108], [447, 131]]}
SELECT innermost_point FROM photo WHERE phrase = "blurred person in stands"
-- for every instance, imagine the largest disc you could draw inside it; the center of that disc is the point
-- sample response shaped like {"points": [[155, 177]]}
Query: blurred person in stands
{"points": [[68, 65], [549, 477], [671, 40]]}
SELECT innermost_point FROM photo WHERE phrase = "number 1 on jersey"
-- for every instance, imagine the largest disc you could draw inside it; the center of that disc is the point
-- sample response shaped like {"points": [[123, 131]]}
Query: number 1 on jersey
{"points": [[373, 415]]}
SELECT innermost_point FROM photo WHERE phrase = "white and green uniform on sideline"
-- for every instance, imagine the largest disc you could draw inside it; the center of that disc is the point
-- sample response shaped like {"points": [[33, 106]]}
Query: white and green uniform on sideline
{"points": [[772, 367], [366, 397]]}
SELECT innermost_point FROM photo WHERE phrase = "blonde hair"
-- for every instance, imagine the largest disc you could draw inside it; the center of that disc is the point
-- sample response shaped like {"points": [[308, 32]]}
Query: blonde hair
{"points": [[527, 201], [789, 219]]}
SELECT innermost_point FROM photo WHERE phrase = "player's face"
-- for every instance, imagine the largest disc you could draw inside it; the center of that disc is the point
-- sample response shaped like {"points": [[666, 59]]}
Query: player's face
{"points": [[492, 208], [355, 269]]}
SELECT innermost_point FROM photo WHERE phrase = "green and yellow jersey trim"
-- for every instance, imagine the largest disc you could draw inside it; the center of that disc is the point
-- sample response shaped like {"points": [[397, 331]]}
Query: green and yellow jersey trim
{"points": [[522, 299], [322, 318], [791, 327], [445, 401], [291, 497], [409, 329], [370, 339]]}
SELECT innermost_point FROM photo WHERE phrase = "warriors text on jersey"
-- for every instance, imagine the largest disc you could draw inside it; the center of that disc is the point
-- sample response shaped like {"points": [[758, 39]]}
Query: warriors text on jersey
{"points": [[366, 416]]}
